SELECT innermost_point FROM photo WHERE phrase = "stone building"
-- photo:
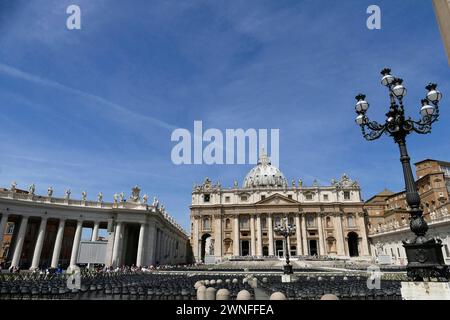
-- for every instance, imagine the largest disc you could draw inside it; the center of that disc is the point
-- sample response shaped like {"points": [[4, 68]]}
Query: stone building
{"points": [[238, 221], [43, 231], [389, 219]]}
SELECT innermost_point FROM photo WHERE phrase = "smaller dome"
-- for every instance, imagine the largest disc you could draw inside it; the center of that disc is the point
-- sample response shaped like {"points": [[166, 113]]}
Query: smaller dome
{"points": [[264, 175]]}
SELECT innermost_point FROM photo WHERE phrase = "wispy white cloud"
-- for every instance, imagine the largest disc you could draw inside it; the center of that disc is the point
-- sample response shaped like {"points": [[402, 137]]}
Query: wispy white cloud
{"points": [[95, 100]]}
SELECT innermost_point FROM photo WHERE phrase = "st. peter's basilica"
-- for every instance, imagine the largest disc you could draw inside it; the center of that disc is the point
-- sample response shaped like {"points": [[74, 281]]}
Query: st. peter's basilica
{"points": [[238, 222]]}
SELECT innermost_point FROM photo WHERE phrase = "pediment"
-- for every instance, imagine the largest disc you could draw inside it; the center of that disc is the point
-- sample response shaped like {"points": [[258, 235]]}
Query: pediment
{"points": [[277, 199]]}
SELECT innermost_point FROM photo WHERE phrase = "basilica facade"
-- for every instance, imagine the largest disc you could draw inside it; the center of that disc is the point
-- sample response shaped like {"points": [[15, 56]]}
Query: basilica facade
{"points": [[229, 223]]}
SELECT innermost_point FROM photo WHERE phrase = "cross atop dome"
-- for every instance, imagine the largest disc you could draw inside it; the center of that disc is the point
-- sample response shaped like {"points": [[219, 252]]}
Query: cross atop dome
{"points": [[263, 158]]}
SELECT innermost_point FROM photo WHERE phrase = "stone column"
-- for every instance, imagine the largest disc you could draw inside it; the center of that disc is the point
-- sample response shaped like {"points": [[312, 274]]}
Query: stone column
{"points": [[252, 235], [298, 235], [76, 243], [58, 243], [339, 235], [164, 247], [19, 242], [156, 254], [218, 236], [170, 253], [117, 243], [39, 243], [270, 232], [168, 249], [151, 249], [194, 244], [181, 248], [259, 236], [362, 227], [3, 223], [320, 228], [172, 248], [160, 247], [236, 249], [140, 252], [305, 235], [95, 231]]}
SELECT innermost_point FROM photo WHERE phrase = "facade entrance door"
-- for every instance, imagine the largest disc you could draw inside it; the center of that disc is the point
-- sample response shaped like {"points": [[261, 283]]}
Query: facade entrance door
{"points": [[313, 247], [245, 247], [279, 248], [353, 244]]}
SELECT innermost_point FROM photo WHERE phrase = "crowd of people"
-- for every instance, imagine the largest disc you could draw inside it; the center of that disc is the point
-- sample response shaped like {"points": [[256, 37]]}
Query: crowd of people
{"points": [[101, 268]]}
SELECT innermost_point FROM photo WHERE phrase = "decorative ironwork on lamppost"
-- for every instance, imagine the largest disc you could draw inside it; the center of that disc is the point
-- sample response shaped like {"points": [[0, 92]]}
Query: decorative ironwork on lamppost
{"points": [[286, 230], [424, 254]]}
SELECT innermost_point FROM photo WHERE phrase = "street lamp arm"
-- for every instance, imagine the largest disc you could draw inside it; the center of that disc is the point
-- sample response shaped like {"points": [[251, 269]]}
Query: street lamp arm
{"points": [[423, 126], [375, 129]]}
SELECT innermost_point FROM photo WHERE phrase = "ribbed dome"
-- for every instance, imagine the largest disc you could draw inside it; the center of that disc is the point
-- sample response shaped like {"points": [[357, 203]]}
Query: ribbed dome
{"points": [[264, 175]]}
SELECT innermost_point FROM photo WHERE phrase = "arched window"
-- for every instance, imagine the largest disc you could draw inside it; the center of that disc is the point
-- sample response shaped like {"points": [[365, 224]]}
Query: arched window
{"points": [[227, 224], [206, 223]]}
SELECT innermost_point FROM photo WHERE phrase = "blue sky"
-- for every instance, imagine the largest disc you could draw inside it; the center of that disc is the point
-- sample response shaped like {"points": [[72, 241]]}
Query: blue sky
{"points": [[94, 109]]}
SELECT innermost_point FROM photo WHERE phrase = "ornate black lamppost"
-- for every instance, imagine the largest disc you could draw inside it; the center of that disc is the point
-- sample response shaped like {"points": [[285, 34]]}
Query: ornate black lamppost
{"points": [[286, 230], [425, 259]]}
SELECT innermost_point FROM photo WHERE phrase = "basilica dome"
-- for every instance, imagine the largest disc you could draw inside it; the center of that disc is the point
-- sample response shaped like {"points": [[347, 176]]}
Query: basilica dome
{"points": [[264, 175]]}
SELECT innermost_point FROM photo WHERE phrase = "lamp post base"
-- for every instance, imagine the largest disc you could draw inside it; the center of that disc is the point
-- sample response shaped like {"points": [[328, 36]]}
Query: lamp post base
{"points": [[287, 269], [426, 261], [425, 290], [287, 278]]}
